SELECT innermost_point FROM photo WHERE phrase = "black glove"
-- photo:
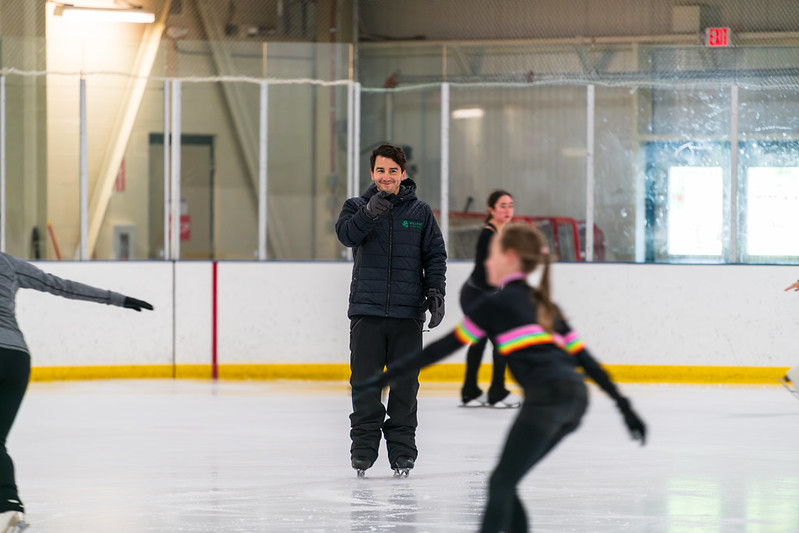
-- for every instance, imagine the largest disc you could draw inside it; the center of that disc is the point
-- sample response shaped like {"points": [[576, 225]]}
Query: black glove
{"points": [[136, 305], [435, 304], [372, 384], [379, 204], [634, 424]]}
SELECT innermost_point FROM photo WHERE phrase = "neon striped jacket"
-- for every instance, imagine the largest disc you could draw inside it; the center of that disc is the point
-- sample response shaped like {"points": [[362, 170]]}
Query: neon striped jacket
{"points": [[535, 355]]}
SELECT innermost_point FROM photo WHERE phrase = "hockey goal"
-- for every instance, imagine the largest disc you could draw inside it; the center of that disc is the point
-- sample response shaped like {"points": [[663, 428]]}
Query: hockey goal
{"points": [[566, 236]]}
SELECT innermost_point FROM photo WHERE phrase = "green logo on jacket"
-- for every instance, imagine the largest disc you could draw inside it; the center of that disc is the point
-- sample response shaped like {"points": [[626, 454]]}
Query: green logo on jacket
{"points": [[411, 224]]}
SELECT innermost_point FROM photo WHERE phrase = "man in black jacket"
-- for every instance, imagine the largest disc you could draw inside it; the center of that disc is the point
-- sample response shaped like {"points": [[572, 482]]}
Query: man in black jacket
{"points": [[398, 274]]}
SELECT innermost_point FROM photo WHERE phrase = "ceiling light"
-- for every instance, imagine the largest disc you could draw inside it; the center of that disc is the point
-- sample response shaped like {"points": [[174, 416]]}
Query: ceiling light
{"points": [[468, 112], [105, 15]]}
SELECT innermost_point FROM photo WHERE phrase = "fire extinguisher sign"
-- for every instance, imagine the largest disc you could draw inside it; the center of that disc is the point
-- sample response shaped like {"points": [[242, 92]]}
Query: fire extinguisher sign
{"points": [[185, 221], [185, 227]]}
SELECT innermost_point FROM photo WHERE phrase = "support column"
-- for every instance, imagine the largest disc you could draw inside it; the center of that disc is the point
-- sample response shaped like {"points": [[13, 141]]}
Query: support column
{"points": [[84, 177], [263, 154], [589, 174], [734, 252], [175, 169], [444, 217], [167, 180]]}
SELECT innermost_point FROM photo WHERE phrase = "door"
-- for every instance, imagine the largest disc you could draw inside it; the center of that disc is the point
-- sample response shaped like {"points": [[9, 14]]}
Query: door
{"points": [[197, 196]]}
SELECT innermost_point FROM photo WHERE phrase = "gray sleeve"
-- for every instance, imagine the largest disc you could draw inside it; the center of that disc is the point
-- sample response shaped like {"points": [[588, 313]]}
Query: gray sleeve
{"points": [[30, 277]]}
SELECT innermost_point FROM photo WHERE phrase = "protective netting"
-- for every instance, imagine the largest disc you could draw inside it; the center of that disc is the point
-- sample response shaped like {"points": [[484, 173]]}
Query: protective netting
{"points": [[526, 80], [656, 43], [634, 66], [469, 20]]}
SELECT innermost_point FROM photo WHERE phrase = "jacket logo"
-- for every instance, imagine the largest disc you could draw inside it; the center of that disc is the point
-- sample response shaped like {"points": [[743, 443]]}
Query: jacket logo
{"points": [[411, 224]]}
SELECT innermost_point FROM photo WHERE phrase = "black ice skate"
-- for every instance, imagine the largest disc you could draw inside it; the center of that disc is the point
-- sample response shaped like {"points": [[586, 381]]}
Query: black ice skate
{"points": [[791, 380], [402, 466], [361, 465]]}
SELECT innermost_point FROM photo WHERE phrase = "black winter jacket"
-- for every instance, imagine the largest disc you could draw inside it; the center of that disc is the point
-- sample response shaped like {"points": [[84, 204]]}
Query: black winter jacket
{"points": [[397, 257]]}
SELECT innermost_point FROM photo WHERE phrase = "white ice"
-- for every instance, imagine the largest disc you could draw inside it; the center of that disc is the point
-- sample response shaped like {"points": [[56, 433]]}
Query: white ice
{"points": [[191, 456]]}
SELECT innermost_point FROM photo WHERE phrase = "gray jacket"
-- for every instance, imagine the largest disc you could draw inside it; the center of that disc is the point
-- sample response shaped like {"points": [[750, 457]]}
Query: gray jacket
{"points": [[18, 274]]}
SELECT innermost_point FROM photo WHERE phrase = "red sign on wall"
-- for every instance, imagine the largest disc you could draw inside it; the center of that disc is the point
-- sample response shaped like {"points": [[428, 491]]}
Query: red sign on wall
{"points": [[185, 227], [120, 183], [718, 37]]}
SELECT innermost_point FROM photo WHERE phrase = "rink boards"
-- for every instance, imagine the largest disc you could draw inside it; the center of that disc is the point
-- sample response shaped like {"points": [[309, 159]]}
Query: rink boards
{"points": [[287, 320]]}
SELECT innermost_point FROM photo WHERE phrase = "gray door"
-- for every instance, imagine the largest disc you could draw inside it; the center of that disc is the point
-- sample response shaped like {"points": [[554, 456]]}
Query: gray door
{"points": [[197, 196]]}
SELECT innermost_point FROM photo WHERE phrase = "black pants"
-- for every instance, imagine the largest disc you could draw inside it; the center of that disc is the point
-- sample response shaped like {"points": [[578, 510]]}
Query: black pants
{"points": [[375, 343], [15, 368], [474, 356], [549, 413]]}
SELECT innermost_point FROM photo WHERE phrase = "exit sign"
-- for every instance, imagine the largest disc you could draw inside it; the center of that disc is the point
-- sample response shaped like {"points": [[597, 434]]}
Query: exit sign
{"points": [[718, 37]]}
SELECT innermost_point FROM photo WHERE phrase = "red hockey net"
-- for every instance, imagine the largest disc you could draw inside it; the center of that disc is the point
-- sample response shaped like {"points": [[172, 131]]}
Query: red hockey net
{"points": [[566, 236]]}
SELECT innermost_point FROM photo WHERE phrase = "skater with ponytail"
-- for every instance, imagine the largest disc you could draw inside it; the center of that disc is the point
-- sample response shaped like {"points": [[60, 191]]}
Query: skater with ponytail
{"points": [[543, 354]]}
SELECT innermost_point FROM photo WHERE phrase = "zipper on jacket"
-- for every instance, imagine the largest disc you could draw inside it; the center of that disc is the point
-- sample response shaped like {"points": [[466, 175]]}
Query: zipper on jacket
{"points": [[390, 246]]}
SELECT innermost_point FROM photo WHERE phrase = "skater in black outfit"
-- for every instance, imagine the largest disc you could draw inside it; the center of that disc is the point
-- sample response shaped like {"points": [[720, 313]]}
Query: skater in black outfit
{"points": [[15, 362], [398, 274], [500, 212], [543, 353]]}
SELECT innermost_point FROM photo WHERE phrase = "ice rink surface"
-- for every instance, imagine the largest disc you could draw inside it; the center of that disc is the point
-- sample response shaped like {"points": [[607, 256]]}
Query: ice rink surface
{"points": [[190, 456]]}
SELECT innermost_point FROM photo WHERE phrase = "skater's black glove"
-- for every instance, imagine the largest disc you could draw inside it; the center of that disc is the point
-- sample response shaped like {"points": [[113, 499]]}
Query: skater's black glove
{"points": [[136, 305], [634, 423], [435, 304], [372, 384], [379, 205]]}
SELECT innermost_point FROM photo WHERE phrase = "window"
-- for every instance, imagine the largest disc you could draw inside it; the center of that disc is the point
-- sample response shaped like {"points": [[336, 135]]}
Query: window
{"points": [[772, 211], [687, 202], [695, 211]]}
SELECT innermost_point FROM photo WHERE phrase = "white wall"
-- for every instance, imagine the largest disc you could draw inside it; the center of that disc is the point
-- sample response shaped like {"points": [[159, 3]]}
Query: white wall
{"points": [[193, 317], [683, 314], [63, 332], [283, 312], [278, 312]]}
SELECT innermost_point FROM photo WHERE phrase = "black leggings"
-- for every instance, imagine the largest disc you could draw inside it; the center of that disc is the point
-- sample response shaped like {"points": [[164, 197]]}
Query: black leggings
{"points": [[549, 413], [376, 342], [474, 356], [15, 369]]}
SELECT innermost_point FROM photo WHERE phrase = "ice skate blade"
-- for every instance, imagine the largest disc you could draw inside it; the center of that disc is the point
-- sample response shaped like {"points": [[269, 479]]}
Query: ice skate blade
{"points": [[500, 405], [13, 522], [401, 472], [360, 474], [789, 388]]}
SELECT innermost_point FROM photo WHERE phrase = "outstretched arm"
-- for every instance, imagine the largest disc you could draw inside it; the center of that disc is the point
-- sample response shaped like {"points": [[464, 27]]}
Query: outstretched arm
{"points": [[464, 334], [31, 277], [575, 346]]}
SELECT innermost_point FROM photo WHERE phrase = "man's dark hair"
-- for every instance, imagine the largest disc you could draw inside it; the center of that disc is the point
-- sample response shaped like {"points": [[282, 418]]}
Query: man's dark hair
{"points": [[390, 151]]}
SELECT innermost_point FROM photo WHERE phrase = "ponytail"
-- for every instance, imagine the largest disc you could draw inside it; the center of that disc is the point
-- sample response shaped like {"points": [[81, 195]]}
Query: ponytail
{"points": [[545, 309], [531, 247]]}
